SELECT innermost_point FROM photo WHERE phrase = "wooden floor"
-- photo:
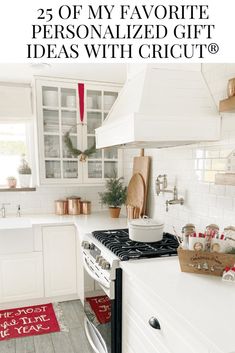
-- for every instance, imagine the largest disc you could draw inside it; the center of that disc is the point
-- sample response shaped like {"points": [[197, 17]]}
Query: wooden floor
{"points": [[73, 341]]}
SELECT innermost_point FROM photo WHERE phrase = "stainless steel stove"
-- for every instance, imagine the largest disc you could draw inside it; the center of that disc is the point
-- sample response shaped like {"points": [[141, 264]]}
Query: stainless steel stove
{"points": [[119, 243], [102, 252]]}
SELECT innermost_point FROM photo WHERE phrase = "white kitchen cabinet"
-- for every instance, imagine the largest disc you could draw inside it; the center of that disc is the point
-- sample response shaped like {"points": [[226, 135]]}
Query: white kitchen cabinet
{"points": [[105, 162], [57, 113], [21, 276], [174, 335], [59, 249]]}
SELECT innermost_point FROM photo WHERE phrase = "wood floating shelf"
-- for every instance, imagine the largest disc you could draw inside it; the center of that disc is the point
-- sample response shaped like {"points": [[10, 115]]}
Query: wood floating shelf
{"points": [[16, 189], [227, 105], [225, 179]]}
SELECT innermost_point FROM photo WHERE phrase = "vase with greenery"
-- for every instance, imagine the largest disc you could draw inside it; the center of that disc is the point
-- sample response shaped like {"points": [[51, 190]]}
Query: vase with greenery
{"points": [[25, 172], [114, 196]]}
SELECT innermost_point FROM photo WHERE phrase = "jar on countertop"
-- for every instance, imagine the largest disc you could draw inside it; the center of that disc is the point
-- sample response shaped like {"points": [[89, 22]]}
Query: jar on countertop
{"points": [[73, 205], [212, 228], [85, 207], [61, 207], [229, 231], [187, 230], [212, 231], [229, 235]]}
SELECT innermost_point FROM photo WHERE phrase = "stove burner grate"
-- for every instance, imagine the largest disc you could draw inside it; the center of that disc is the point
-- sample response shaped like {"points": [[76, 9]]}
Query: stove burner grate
{"points": [[119, 243]]}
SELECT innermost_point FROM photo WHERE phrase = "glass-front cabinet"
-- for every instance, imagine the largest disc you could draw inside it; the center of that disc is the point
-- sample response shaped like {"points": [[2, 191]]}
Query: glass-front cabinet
{"points": [[103, 163], [58, 112]]}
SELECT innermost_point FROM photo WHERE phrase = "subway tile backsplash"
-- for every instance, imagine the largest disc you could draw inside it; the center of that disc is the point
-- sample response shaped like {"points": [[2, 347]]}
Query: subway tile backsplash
{"points": [[193, 169], [42, 200], [194, 176]]}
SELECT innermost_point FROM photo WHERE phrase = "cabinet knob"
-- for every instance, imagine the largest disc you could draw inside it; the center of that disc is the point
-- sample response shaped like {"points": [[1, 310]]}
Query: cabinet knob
{"points": [[154, 323]]}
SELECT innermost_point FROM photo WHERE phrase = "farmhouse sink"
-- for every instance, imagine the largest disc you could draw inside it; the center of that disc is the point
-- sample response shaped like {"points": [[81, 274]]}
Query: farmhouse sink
{"points": [[15, 223], [16, 235]]}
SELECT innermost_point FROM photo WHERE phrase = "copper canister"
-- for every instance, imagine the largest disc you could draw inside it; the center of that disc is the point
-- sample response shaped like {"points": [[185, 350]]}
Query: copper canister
{"points": [[73, 205], [85, 207], [61, 207]]}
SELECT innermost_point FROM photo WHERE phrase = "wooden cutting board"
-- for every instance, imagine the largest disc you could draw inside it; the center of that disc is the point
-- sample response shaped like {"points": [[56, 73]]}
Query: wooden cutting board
{"points": [[141, 165], [136, 192]]}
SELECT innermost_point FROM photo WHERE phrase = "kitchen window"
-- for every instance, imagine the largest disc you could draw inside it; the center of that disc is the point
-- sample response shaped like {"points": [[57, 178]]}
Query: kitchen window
{"points": [[14, 142]]}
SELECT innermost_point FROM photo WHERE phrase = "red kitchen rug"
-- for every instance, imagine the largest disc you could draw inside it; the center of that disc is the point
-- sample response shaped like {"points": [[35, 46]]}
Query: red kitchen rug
{"points": [[102, 308], [28, 321]]}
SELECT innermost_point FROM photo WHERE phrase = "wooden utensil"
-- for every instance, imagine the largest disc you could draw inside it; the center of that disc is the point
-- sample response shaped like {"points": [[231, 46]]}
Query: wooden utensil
{"points": [[136, 192], [136, 212], [132, 212], [141, 165]]}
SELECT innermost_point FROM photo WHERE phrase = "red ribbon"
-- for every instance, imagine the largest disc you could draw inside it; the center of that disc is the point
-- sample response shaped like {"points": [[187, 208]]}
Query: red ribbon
{"points": [[81, 100], [227, 268]]}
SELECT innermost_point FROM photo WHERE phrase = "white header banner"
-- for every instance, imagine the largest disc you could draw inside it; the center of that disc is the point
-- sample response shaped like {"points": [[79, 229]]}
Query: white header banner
{"points": [[117, 31]]}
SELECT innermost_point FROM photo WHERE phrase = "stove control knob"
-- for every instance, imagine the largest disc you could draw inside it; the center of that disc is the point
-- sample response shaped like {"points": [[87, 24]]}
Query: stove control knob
{"points": [[101, 260], [97, 259], [92, 246], [105, 265], [86, 244]]}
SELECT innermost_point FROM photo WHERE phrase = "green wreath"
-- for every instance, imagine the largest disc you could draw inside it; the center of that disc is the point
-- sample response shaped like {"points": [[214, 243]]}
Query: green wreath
{"points": [[76, 152]]}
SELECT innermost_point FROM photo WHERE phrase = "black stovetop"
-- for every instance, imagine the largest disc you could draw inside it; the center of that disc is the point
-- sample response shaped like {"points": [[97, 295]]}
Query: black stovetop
{"points": [[119, 243]]}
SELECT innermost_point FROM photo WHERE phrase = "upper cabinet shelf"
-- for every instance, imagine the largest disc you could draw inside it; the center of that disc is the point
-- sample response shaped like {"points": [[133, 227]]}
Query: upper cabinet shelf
{"points": [[225, 179], [227, 105], [16, 189]]}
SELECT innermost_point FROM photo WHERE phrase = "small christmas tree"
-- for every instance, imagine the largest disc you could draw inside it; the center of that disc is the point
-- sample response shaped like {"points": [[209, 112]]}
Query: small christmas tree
{"points": [[114, 196]]}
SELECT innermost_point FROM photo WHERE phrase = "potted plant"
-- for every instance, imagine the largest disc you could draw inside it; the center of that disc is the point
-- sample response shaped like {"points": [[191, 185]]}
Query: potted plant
{"points": [[11, 181], [114, 196], [24, 171]]}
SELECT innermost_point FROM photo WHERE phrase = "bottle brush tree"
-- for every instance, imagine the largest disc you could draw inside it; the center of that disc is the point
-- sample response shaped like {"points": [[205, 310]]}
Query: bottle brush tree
{"points": [[115, 193]]}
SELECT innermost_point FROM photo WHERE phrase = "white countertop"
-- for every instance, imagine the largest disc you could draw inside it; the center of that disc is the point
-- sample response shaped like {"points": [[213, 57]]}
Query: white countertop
{"points": [[86, 223], [206, 302]]}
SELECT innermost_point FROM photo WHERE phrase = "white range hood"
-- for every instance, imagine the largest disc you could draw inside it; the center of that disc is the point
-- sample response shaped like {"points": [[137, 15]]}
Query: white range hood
{"points": [[161, 105]]}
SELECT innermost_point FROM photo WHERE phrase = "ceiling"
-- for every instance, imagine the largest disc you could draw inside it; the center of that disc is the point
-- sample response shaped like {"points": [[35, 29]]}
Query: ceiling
{"points": [[96, 72]]}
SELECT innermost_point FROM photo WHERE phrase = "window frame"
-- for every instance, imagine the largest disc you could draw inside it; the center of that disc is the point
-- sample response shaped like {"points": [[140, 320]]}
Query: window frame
{"points": [[30, 144]]}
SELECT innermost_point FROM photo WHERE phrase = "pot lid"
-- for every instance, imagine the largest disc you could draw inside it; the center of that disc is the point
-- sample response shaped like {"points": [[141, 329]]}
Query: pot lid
{"points": [[146, 222]]}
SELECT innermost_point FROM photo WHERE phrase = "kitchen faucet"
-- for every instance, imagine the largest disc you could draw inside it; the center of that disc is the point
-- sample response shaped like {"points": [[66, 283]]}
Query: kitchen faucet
{"points": [[18, 211], [164, 184], [3, 209], [161, 180], [176, 200]]}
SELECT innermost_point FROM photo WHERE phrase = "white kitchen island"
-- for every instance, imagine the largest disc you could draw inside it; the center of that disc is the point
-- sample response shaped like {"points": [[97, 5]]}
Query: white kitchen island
{"points": [[195, 312]]}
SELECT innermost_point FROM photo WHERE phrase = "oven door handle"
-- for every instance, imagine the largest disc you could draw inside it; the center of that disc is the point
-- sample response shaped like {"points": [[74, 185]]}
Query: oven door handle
{"points": [[94, 275], [100, 347]]}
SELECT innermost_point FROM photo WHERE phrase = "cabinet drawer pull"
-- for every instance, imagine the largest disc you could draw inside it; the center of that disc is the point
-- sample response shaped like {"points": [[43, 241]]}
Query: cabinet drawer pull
{"points": [[154, 323]]}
